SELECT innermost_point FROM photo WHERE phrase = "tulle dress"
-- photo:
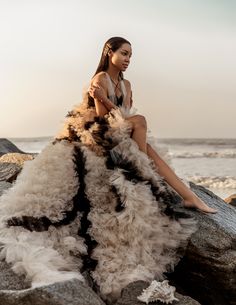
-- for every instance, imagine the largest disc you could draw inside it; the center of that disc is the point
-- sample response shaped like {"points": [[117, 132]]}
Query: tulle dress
{"points": [[92, 206]]}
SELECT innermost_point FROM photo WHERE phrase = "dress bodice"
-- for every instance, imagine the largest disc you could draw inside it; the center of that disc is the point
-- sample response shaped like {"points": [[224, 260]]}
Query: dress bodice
{"points": [[118, 101]]}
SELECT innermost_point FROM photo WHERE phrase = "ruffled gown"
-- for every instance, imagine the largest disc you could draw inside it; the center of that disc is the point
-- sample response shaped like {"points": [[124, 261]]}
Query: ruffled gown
{"points": [[92, 206]]}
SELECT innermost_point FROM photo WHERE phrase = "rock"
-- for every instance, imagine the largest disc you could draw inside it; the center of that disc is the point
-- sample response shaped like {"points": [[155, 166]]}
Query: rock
{"points": [[11, 160], [9, 280], [231, 200], [16, 158], [7, 146], [71, 292], [130, 293], [4, 186], [207, 272], [14, 290], [11, 165], [9, 171]]}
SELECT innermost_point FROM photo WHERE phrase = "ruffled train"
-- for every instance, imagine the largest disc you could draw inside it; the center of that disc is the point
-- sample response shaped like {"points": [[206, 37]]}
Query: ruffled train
{"points": [[92, 203]]}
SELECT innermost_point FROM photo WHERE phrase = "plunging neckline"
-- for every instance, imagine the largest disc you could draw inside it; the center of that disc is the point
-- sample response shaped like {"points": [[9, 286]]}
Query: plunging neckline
{"points": [[117, 86], [114, 88], [117, 100]]}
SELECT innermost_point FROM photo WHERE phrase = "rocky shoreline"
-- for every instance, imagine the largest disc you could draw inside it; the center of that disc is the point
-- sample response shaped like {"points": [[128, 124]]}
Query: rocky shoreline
{"points": [[7, 146], [206, 275]]}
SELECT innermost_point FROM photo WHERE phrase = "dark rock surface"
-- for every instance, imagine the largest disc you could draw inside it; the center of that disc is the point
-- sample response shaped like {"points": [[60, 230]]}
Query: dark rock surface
{"points": [[7, 146], [62, 293], [14, 290], [9, 171], [207, 272], [11, 160], [9, 280], [130, 293], [231, 200]]}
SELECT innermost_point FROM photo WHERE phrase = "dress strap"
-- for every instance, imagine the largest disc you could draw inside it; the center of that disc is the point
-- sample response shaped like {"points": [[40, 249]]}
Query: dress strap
{"points": [[123, 89], [111, 91]]}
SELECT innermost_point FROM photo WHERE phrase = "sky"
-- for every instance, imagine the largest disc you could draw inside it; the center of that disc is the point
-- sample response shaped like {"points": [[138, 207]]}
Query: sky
{"points": [[182, 71]]}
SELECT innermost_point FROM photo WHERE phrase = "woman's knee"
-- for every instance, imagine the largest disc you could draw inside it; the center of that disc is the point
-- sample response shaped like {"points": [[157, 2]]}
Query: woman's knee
{"points": [[140, 121]]}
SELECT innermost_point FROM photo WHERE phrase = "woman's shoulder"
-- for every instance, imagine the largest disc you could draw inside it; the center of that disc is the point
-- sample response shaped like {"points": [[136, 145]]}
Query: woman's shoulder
{"points": [[127, 85], [127, 82], [101, 77]]}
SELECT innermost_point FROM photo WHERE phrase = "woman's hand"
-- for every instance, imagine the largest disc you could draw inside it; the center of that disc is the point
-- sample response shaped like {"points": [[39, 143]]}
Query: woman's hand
{"points": [[102, 102], [97, 92]]}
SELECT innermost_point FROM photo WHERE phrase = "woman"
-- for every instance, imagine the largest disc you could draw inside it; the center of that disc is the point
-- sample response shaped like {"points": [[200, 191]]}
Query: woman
{"points": [[114, 61], [92, 204]]}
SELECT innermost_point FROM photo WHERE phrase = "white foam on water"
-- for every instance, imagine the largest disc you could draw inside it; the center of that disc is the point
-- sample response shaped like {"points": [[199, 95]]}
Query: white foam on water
{"points": [[207, 154], [215, 182]]}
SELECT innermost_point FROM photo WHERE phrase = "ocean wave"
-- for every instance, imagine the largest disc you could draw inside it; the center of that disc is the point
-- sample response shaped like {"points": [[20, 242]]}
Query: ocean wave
{"points": [[224, 182], [208, 154], [199, 141]]}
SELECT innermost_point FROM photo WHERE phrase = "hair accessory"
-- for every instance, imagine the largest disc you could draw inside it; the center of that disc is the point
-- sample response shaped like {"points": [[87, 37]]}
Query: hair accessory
{"points": [[106, 49]]}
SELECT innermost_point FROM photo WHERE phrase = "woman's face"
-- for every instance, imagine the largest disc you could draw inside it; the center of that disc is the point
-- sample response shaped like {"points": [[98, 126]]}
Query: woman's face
{"points": [[121, 57]]}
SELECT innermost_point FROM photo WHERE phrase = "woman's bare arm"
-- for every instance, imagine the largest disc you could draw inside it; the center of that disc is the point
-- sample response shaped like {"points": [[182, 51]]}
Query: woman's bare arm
{"points": [[98, 90], [128, 101]]}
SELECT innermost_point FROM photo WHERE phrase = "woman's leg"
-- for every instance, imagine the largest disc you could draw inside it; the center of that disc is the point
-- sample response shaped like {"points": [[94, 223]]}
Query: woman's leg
{"points": [[190, 198], [139, 132], [139, 136]]}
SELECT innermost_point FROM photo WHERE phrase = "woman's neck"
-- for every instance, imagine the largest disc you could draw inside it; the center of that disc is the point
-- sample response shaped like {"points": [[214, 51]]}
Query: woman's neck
{"points": [[114, 73]]}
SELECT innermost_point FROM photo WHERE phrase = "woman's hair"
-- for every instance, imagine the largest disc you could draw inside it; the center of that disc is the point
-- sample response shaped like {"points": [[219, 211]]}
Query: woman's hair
{"points": [[114, 43]]}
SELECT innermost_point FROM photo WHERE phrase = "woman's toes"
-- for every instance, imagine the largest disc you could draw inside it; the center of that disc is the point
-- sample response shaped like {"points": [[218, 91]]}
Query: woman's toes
{"points": [[200, 205]]}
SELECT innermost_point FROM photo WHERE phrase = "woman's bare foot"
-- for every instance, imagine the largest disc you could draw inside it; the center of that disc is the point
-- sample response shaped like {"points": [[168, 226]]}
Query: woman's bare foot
{"points": [[197, 203]]}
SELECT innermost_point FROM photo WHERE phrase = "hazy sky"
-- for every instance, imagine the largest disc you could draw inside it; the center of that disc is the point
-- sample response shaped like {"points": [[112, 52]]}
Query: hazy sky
{"points": [[183, 68]]}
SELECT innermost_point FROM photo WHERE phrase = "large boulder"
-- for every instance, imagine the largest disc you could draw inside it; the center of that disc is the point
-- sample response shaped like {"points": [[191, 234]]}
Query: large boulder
{"points": [[14, 290], [11, 281], [130, 293], [9, 171], [7, 146], [11, 165], [207, 272]]}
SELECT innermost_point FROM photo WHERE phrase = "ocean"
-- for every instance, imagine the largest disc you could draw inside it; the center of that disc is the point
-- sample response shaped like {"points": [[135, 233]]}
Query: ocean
{"points": [[207, 162]]}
